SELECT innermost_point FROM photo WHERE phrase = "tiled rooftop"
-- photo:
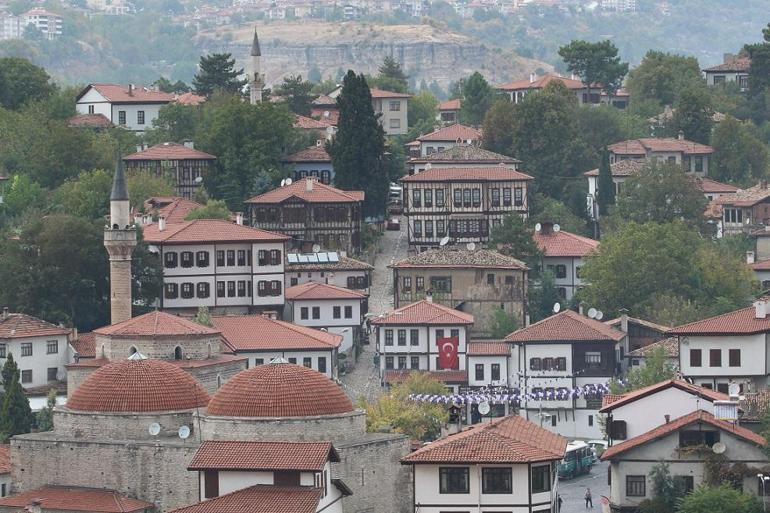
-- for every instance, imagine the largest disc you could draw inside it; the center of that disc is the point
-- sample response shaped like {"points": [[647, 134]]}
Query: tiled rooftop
{"points": [[169, 151], [452, 133], [258, 333], [464, 174], [318, 193], [256, 455], [156, 324], [18, 325], [460, 259], [315, 290], [424, 312], [208, 231], [566, 326], [78, 499], [260, 499]]}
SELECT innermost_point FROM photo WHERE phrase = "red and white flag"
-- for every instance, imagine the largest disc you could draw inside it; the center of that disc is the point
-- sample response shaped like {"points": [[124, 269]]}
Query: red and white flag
{"points": [[447, 353]]}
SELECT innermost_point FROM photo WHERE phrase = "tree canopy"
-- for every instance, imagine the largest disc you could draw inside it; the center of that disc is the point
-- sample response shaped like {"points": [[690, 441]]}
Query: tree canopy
{"points": [[595, 63], [477, 96], [214, 209], [15, 414], [391, 77], [739, 155], [657, 367], [296, 93], [724, 499], [605, 184], [217, 72], [22, 82], [662, 77]]}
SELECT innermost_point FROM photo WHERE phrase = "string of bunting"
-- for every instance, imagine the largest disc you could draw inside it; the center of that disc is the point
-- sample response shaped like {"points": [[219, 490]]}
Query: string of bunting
{"points": [[507, 396]]}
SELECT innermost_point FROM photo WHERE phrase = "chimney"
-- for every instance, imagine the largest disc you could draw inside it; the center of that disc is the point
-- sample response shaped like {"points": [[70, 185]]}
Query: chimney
{"points": [[140, 147], [580, 308], [5, 313], [531, 77], [624, 320], [131, 89], [546, 227], [429, 296], [749, 257], [190, 144], [147, 219], [728, 57], [763, 184], [572, 76], [760, 309], [161, 223], [667, 417], [308, 184], [680, 136], [138, 218], [239, 218], [318, 143]]}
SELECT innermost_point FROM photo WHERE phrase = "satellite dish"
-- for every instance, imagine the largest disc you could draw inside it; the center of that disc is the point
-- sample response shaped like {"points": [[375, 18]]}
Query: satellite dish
{"points": [[471, 246], [733, 389], [316, 248], [719, 448], [556, 307], [748, 220], [154, 429], [444, 241], [184, 432], [283, 182], [538, 227], [198, 179], [592, 313], [599, 315], [484, 407], [289, 181], [556, 227]]}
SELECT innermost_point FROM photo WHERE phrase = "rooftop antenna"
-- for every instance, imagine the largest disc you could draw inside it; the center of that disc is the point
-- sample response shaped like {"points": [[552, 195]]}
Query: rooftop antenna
{"points": [[556, 307], [154, 429]]}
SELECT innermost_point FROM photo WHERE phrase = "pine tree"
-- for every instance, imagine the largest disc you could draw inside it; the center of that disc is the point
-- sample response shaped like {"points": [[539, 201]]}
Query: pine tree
{"points": [[392, 77], [357, 149], [15, 415], [477, 96], [9, 371], [217, 73], [606, 187]]}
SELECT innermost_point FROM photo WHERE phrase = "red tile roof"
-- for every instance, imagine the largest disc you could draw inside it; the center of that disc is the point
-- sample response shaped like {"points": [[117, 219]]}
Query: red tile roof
{"points": [[566, 326], [19, 325], [237, 455], [324, 100], [71, 498], [116, 93], [564, 244], [169, 151], [745, 197], [315, 153], [708, 185], [379, 93], [260, 499], [208, 231], [460, 259], [738, 322], [304, 122], [670, 346], [734, 64], [89, 121], [466, 153], [138, 386], [512, 439], [443, 376], [450, 105], [85, 345], [279, 390], [620, 168], [258, 333], [189, 99], [489, 348], [320, 193], [617, 322], [155, 324], [424, 312], [699, 416], [541, 82], [174, 209], [5, 459], [452, 133], [659, 144], [629, 397], [315, 290], [467, 174], [761, 265]]}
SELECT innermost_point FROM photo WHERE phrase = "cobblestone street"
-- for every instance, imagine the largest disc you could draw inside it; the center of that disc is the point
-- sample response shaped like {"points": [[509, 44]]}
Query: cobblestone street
{"points": [[363, 380]]}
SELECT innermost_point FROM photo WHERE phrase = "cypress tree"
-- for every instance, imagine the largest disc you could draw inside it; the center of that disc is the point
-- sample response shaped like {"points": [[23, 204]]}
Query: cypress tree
{"points": [[357, 149], [15, 415], [606, 187]]}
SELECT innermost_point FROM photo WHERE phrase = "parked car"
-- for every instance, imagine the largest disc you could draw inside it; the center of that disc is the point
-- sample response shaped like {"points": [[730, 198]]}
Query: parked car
{"points": [[394, 224]]}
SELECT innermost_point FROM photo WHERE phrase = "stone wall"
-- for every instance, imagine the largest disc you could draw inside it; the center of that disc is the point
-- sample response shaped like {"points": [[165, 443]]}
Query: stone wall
{"points": [[336, 428], [195, 347], [211, 377], [120, 426], [152, 471]]}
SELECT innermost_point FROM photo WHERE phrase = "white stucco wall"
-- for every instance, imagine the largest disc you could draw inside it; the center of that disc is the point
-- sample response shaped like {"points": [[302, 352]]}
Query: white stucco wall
{"points": [[426, 349], [40, 361]]}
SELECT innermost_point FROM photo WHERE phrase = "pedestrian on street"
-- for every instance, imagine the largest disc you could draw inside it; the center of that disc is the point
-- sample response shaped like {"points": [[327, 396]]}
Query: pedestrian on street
{"points": [[589, 500], [558, 503]]}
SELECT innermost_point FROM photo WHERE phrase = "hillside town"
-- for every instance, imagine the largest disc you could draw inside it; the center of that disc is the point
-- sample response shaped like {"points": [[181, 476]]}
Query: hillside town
{"points": [[546, 295]]}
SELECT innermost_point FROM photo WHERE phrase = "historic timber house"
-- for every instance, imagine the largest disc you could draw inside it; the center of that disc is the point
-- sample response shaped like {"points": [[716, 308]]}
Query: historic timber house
{"points": [[461, 203]]}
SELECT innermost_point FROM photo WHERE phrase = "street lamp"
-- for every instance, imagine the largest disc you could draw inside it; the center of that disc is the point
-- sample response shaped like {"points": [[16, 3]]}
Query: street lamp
{"points": [[763, 479]]}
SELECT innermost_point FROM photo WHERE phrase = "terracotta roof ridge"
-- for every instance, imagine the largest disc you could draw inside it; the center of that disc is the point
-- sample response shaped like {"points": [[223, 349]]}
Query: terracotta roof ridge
{"points": [[295, 328], [678, 329]]}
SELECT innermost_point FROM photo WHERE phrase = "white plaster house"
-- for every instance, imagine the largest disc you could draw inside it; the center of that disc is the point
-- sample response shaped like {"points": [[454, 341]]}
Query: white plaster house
{"points": [[131, 107], [506, 465], [676, 443], [277, 476], [334, 309], [733, 69], [634, 413], [731, 347], [225, 266], [489, 364], [519, 89], [312, 161], [445, 138], [563, 255], [40, 349], [556, 355], [693, 157], [407, 341], [262, 340], [330, 268], [391, 106], [460, 156]]}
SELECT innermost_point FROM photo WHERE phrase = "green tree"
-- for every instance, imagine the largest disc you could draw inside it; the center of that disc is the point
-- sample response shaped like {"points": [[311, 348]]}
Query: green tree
{"points": [[296, 92], [146, 274], [606, 186], [513, 237], [543, 294], [9, 371], [595, 63], [498, 127], [657, 367], [393, 412], [503, 324], [661, 193], [87, 195], [358, 147], [217, 72], [22, 82], [663, 76], [176, 122], [739, 155], [214, 209], [477, 97], [203, 316], [724, 499], [391, 77], [693, 116], [666, 491], [15, 414], [423, 108], [167, 86], [601, 125], [21, 194], [44, 418], [545, 209]]}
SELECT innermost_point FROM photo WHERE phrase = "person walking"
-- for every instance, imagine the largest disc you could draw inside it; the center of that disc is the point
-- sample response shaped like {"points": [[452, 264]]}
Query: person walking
{"points": [[589, 500], [558, 503]]}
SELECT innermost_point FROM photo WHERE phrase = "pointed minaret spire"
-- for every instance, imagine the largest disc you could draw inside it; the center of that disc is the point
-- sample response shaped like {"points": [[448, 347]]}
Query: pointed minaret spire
{"points": [[255, 50], [256, 82], [120, 240], [119, 188]]}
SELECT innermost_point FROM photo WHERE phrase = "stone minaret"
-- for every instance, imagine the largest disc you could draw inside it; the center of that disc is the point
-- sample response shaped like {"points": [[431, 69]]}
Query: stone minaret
{"points": [[257, 81], [120, 241]]}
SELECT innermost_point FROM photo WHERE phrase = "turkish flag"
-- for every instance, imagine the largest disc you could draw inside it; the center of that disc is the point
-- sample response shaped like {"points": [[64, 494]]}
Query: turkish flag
{"points": [[447, 353]]}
